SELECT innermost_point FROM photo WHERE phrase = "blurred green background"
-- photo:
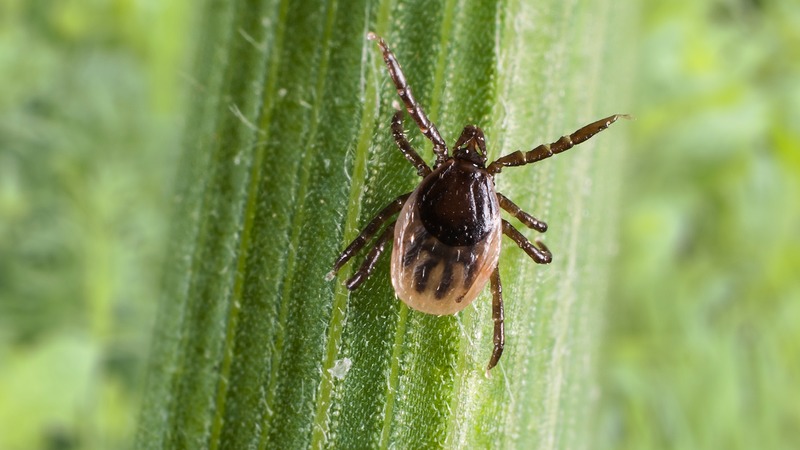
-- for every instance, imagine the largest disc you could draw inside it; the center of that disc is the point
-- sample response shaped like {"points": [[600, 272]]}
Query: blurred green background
{"points": [[702, 345]]}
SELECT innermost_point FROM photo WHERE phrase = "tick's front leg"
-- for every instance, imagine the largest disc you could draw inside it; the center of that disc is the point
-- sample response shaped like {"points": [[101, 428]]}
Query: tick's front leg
{"points": [[414, 109], [565, 143]]}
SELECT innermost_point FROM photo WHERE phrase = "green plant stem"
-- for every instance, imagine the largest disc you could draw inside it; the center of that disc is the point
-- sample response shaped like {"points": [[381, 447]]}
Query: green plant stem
{"points": [[288, 153]]}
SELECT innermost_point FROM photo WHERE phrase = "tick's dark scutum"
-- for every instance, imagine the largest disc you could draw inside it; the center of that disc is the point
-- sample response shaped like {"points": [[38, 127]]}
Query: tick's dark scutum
{"points": [[457, 203]]}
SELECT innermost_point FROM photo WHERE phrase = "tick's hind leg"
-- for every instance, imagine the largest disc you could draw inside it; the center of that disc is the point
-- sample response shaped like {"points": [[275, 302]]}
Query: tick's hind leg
{"points": [[543, 151], [369, 262], [400, 138], [539, 252], [414, 109], [522, 216], [498, 317], [367, 233]]}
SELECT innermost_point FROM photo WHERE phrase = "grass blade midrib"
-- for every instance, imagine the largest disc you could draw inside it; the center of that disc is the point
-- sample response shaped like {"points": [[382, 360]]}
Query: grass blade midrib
{"points": [[321, 423]]}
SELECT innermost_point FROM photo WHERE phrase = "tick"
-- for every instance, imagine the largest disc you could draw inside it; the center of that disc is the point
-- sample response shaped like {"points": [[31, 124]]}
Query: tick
{"points": [[447, 233]]}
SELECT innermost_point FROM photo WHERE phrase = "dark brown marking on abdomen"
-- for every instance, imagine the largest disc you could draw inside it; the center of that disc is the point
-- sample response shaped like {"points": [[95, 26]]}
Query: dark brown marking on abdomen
{"points": [[439, 267]]}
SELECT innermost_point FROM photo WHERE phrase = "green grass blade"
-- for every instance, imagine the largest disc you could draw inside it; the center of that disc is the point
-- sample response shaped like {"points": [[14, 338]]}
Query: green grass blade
{"points": [[289, 153]]}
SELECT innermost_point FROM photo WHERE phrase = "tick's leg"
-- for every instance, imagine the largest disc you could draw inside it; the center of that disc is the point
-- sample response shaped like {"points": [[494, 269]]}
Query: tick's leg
{"points": [[539, 252], [411, 155], [369, 262], [367, 233], [522, 216], [498, 317], [414, 109], [543, 151]]}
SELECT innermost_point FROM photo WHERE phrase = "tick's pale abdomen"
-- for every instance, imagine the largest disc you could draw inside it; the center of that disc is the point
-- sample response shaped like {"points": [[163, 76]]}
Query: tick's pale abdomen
{"points": [[436, 278]]}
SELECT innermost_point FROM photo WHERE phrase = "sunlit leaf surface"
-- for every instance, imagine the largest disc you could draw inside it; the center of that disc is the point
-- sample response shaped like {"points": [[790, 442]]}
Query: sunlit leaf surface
{"points": [[288, 153]]}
